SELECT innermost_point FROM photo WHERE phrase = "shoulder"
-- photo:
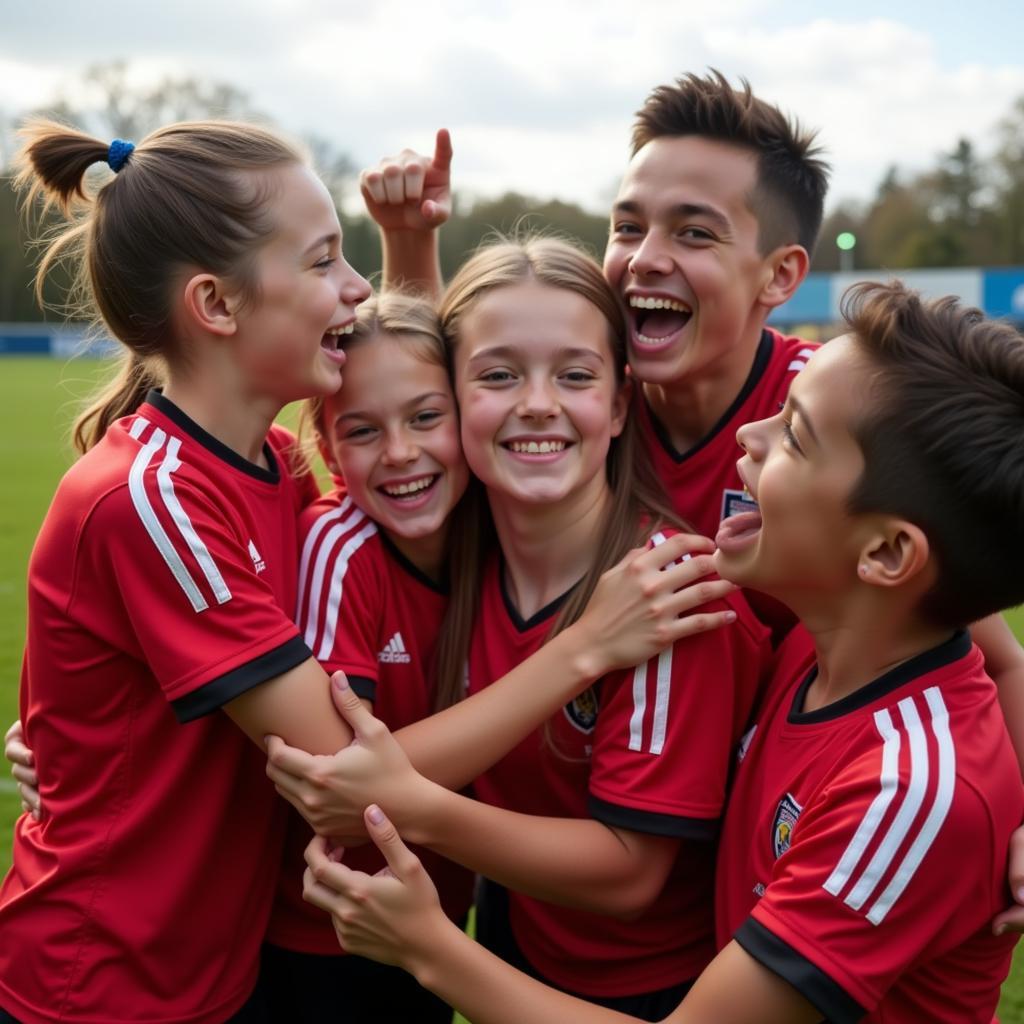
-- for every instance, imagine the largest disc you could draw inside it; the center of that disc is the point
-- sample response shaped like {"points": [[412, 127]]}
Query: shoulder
{"points": [[335, 530]]}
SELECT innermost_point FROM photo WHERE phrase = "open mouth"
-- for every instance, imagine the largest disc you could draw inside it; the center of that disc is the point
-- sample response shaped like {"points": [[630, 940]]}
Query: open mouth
{"points": [[410, 492], [331, 341], [655, 322]]}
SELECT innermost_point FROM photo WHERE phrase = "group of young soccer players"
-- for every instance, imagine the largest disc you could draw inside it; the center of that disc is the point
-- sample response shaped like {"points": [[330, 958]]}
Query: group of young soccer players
{"points": [[513, 578]]}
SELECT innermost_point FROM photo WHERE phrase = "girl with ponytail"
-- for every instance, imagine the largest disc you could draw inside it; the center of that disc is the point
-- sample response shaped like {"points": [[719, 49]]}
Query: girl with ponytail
{"points": [[162, 583]]}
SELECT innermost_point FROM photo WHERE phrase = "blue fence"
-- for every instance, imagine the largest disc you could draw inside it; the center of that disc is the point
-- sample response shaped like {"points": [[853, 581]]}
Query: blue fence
{"points": [[999, 292]]}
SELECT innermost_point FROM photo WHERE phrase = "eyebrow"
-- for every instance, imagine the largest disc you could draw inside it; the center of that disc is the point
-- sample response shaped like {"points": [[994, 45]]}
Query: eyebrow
{"points": [[711, 213], [358, 414], [508, 351], [325, 240], [804, 419]]}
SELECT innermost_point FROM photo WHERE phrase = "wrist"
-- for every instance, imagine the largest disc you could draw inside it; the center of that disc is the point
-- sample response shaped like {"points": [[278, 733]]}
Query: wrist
{"points": [[430, 959], [583, 657], [423, 819]]}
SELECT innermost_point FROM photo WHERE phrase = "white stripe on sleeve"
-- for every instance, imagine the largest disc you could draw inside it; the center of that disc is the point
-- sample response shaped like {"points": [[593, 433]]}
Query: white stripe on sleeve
{"points": [[200, 552], [316, 583], [348, 549], [912, 801], [309, 545], [873, 816], [661, 698], [140, 499], [636, 720], [936, 815]]}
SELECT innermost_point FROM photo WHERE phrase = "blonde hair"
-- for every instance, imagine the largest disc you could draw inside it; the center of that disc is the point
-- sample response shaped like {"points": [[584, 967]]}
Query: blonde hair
{"points": [[412, 321], [191, 194], [639, 505]]}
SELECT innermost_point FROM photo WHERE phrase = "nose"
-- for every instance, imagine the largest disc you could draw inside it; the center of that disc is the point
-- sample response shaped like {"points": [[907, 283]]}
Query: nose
{"points": [[538, 399], [354, 287], [753, 438], [400, 449], [650, 256]]}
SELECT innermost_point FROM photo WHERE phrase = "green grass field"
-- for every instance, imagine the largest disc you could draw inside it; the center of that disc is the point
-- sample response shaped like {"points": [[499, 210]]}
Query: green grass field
{"points": [[38, 399]]}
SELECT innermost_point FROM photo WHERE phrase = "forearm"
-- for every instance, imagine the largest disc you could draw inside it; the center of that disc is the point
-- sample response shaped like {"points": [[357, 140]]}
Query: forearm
{"points": [[456, 745], [486, 990], [571, 862], [412, 261]]}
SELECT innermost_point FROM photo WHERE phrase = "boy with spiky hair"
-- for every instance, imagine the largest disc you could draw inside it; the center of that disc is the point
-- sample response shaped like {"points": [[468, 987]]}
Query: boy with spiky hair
{"points": [[864, 847]]}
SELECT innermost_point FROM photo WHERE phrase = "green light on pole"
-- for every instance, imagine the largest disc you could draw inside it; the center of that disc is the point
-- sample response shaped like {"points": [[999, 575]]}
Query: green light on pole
{"points": [[845, 242]]}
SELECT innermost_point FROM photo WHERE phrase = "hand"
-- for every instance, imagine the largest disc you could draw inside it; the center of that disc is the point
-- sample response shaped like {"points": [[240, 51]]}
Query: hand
{"points": [[411, 192], [23, 769], [639, 606], [331, 791], [390, 916], [1012, 919]]}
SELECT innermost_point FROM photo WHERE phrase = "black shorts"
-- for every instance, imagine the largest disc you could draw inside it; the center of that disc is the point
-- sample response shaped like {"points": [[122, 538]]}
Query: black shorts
{"points": [[307, 988], [494, 932]]}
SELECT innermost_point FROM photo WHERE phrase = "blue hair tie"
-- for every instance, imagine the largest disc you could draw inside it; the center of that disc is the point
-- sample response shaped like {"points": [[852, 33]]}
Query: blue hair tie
{"points": [[117, 155]]}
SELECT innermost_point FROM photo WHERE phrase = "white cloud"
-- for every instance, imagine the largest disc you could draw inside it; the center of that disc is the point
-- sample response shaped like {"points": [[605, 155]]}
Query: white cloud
{"points": [[539, 94]]}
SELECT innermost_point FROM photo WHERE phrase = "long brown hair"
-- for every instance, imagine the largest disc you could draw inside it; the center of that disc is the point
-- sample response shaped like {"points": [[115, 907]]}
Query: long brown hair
{"points": [[412, 321], [191, 194], [639, 505]]}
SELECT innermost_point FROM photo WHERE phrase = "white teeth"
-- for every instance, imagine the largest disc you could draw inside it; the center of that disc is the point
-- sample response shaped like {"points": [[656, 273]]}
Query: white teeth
{"points": [[347, 329], [643, 302], [397, 490], [537, 447]]}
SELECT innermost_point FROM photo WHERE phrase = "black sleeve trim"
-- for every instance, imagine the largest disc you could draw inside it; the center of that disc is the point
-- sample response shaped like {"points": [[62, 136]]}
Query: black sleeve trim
{"points": [[652, 822], [811, 982], [363, 687], [218, 692]]}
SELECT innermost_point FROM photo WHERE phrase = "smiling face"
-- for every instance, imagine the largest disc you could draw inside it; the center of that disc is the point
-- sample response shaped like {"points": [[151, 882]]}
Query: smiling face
{"points": [[538, 393], [307, 294], [683, 257], [393, 433], [801, 466]]}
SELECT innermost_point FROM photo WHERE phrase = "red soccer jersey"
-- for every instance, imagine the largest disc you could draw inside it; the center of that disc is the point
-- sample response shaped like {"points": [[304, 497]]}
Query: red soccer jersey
{"points": [[646, 749], [161, 587], [864, 849], [702, 482], [365, 609]]}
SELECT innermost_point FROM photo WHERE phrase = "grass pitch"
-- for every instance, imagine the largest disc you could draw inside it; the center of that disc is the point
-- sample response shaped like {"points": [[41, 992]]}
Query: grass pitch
{"points": [[39, 398]]}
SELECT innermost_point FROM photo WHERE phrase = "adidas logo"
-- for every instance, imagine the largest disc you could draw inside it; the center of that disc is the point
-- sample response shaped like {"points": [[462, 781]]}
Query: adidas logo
{"points": [[257, 559], [394, 652]]}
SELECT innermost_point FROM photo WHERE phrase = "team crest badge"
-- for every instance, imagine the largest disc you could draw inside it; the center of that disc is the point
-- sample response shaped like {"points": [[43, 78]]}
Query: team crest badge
{"points": [[582, 711], [786, 815], [734, 502]]}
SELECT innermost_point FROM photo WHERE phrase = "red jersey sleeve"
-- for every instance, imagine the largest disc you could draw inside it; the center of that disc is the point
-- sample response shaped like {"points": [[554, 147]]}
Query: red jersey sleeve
{"points": [[192, 602], [884, 871], [341, 593]]}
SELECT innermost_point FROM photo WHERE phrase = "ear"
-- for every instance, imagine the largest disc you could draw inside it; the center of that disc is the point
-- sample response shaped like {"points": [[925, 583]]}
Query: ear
{"points": [[620, 405], [210, 305], [327, 455], [894, 555], [788, 267]]}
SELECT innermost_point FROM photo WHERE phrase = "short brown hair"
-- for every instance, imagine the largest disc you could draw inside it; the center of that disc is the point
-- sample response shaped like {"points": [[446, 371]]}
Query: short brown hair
{"points": [[792, 179], [943, 441]]}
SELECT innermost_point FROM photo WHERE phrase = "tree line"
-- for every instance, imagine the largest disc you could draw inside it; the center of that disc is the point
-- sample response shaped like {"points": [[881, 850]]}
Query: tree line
{"points": [[965, 211]]}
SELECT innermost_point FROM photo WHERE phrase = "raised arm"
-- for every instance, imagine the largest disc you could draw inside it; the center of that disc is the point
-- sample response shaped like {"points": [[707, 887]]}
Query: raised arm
{"points": [[409, 196]]}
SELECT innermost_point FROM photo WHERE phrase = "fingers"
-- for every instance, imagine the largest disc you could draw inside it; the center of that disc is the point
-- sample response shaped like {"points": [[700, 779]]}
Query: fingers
{"points": [[443, 150], [14, 732], [352, 709], [287, 760], [401, 861], [397, 180]]}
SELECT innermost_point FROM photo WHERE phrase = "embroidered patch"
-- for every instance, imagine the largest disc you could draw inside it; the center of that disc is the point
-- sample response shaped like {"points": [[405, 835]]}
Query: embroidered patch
{"points": [[734, 502], [582, 711], [786, 815]]}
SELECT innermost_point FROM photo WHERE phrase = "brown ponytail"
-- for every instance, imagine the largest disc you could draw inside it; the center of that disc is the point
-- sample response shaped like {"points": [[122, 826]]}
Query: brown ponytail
{"points": [[191, 194]]}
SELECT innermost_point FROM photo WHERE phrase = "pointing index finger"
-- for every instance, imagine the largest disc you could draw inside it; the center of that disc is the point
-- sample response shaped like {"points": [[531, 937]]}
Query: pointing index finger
{"points": [[443, 150]]}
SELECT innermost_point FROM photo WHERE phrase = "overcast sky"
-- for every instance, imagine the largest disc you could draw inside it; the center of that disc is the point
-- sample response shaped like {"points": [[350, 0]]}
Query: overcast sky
{"points": [[539, 94]]}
